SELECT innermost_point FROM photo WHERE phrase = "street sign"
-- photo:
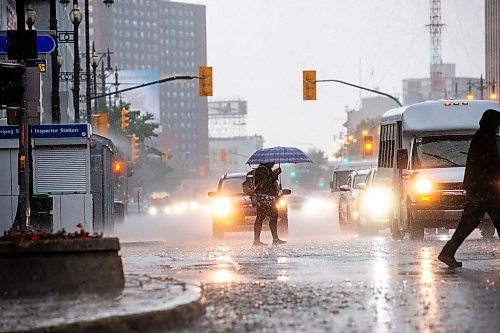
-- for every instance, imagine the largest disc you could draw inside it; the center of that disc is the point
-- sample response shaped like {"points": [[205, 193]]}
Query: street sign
{"points": [[49, 131], [45, 44]]}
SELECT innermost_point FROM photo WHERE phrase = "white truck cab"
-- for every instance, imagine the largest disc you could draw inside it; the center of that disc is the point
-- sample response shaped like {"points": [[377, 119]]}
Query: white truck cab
{"points": [[422, 157]]}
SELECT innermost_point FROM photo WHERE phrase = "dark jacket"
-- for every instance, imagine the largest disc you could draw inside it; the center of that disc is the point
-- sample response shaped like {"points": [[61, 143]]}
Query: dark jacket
{"points": [[482, 171], [266, 181]]}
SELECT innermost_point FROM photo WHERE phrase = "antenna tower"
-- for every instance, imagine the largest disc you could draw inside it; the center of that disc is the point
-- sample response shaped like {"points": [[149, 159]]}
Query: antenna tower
{"points": [[435, 28]]}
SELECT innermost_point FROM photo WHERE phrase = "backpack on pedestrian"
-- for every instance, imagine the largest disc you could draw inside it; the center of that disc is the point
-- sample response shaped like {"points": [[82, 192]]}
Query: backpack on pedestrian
{"points": [[249, 185]]}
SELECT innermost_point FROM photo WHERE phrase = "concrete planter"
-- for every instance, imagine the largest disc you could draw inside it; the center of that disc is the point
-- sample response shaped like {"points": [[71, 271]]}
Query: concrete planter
{"points": [[44, 267]]}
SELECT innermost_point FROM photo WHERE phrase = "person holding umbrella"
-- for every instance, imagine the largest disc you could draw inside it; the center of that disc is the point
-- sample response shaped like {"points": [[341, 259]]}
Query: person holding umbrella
{"points": [[266, 189], [264, 198]]}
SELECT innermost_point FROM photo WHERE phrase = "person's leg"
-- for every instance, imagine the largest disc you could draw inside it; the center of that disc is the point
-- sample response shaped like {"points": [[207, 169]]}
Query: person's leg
{"points": [[273, 225], [257, 227], [474, 211], [493, 210]]}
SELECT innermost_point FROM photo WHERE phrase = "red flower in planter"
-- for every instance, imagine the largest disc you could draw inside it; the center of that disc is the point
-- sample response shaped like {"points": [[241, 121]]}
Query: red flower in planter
{"points": [[21, 238], [35, 237]]}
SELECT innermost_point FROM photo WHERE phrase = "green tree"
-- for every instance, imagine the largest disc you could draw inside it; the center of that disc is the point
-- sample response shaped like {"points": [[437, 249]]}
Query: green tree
{"points": [[308, 175]]}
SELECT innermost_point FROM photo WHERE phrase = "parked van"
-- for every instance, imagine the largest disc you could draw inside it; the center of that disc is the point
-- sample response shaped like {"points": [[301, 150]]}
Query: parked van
{"points": [[422, 157]]}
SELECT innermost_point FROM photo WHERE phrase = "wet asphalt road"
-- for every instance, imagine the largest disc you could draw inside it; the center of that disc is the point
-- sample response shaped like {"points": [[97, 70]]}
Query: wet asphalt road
{"points": [[321, 280]]}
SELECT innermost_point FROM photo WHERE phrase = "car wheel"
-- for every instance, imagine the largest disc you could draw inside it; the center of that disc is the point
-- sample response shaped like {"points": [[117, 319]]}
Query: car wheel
{"points": [[283, 226], [487, 230], [395, 231], [217, 230], [416, 230]]}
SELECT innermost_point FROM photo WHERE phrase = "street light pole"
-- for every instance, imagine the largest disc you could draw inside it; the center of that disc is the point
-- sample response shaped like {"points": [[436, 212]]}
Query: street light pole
{"points": [[87, 63], [76, 17], [108, 3], [55, 106]]}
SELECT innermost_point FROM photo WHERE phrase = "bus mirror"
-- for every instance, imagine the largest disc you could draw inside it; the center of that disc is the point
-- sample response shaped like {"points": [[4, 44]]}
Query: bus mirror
{"points": [[402, 158]]}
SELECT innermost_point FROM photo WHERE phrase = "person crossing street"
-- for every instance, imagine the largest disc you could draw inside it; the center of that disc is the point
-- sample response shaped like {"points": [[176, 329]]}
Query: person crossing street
{"points": [[481, 183], [264, 198]]}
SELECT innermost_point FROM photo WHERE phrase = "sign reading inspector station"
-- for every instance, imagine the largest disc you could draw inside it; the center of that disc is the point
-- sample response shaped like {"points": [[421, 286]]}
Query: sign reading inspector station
{"points": [[48, 131]]}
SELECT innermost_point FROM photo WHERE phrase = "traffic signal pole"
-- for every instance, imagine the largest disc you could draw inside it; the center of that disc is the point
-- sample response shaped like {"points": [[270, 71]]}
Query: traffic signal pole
{"points": [[364, 88], [172, 78]]}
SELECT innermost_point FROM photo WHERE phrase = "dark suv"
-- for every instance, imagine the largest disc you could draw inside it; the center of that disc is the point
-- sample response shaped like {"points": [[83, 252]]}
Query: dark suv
{"points": [[233, 211]]}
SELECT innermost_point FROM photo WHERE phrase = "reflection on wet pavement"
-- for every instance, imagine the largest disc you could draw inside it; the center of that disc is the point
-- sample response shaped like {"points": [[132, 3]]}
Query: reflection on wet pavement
{"points": [[333, 282]]}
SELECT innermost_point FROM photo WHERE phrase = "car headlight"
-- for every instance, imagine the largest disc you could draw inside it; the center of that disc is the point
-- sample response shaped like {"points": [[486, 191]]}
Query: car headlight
{"points": [[153, 211], [281, 203], [221, 207], [423, 186], [377, 202]]}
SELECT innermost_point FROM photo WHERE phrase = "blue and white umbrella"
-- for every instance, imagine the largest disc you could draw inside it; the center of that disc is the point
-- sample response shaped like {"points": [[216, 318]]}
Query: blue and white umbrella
{"points": [[279, 155]]}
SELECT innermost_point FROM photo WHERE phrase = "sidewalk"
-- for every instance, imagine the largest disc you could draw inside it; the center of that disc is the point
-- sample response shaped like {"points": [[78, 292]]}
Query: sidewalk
{"points": [[146, 304]]}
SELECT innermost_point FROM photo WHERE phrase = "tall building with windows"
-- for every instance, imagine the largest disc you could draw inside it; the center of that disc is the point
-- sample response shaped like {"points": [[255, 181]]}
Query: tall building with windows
{"points": [[492, 22], [169, 38]]}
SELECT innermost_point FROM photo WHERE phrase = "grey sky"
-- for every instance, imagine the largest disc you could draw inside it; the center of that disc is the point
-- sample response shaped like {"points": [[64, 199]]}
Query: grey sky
{"points": [[259, 48]]}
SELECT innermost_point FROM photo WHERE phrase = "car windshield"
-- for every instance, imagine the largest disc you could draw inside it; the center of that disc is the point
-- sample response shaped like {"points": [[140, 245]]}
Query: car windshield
{"points": [[440, 151], [232, 186], [359, 179]]}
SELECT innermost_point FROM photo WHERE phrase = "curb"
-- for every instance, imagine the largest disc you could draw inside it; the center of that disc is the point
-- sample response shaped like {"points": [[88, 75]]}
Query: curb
{"points": [[147, 321]]}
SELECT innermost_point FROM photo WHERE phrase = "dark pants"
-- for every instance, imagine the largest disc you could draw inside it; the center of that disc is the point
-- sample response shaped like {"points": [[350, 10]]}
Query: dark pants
{"points": [[474, 211], [262, 212]]}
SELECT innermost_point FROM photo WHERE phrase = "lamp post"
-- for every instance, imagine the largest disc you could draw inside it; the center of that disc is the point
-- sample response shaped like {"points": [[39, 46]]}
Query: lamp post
{"points": [[95, 59], [54, 58], [30, 17], [108, 4], [75, 17]]}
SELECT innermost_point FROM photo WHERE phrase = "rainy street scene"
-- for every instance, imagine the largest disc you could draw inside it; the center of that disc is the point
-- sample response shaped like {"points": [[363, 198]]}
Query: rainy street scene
{"points": [[249, 166]]}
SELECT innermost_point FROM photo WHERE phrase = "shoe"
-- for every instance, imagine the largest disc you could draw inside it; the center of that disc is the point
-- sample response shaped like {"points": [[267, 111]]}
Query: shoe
{"points": [[278, 242], [449, 260], [258, 243]]}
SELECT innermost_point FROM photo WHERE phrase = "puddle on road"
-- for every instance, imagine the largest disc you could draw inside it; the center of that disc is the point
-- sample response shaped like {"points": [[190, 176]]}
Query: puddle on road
{"points": [[227, 270]]}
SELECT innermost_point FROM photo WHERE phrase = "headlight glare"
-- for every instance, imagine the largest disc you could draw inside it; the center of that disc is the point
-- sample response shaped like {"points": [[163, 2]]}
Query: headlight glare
{"points": [[423, 186], [281, 203], [221, 207]]}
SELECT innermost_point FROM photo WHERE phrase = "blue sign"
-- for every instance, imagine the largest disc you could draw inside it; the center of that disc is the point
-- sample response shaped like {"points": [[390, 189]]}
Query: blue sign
{"points": [[9, 132], [45, 44], [48, 131]]}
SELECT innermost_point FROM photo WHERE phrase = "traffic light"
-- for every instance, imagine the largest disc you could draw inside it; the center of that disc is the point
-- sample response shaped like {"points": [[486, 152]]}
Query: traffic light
{"points": [[134, 148], [368, 146], [223, 154], [101, 123], [12, 85], [309, 85], [165, 156], [205, 74], [118, 168], [201, 172], [321, 182], [345, 155], [124, 120]]}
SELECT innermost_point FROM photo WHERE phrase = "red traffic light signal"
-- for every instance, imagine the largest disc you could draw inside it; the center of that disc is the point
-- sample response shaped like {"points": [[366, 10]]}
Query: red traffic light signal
{"points": [[368, 146], [118, 167]]}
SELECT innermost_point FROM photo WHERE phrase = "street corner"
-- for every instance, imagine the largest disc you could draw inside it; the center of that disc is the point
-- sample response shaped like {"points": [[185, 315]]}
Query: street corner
{"points": [[147, 304]]}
